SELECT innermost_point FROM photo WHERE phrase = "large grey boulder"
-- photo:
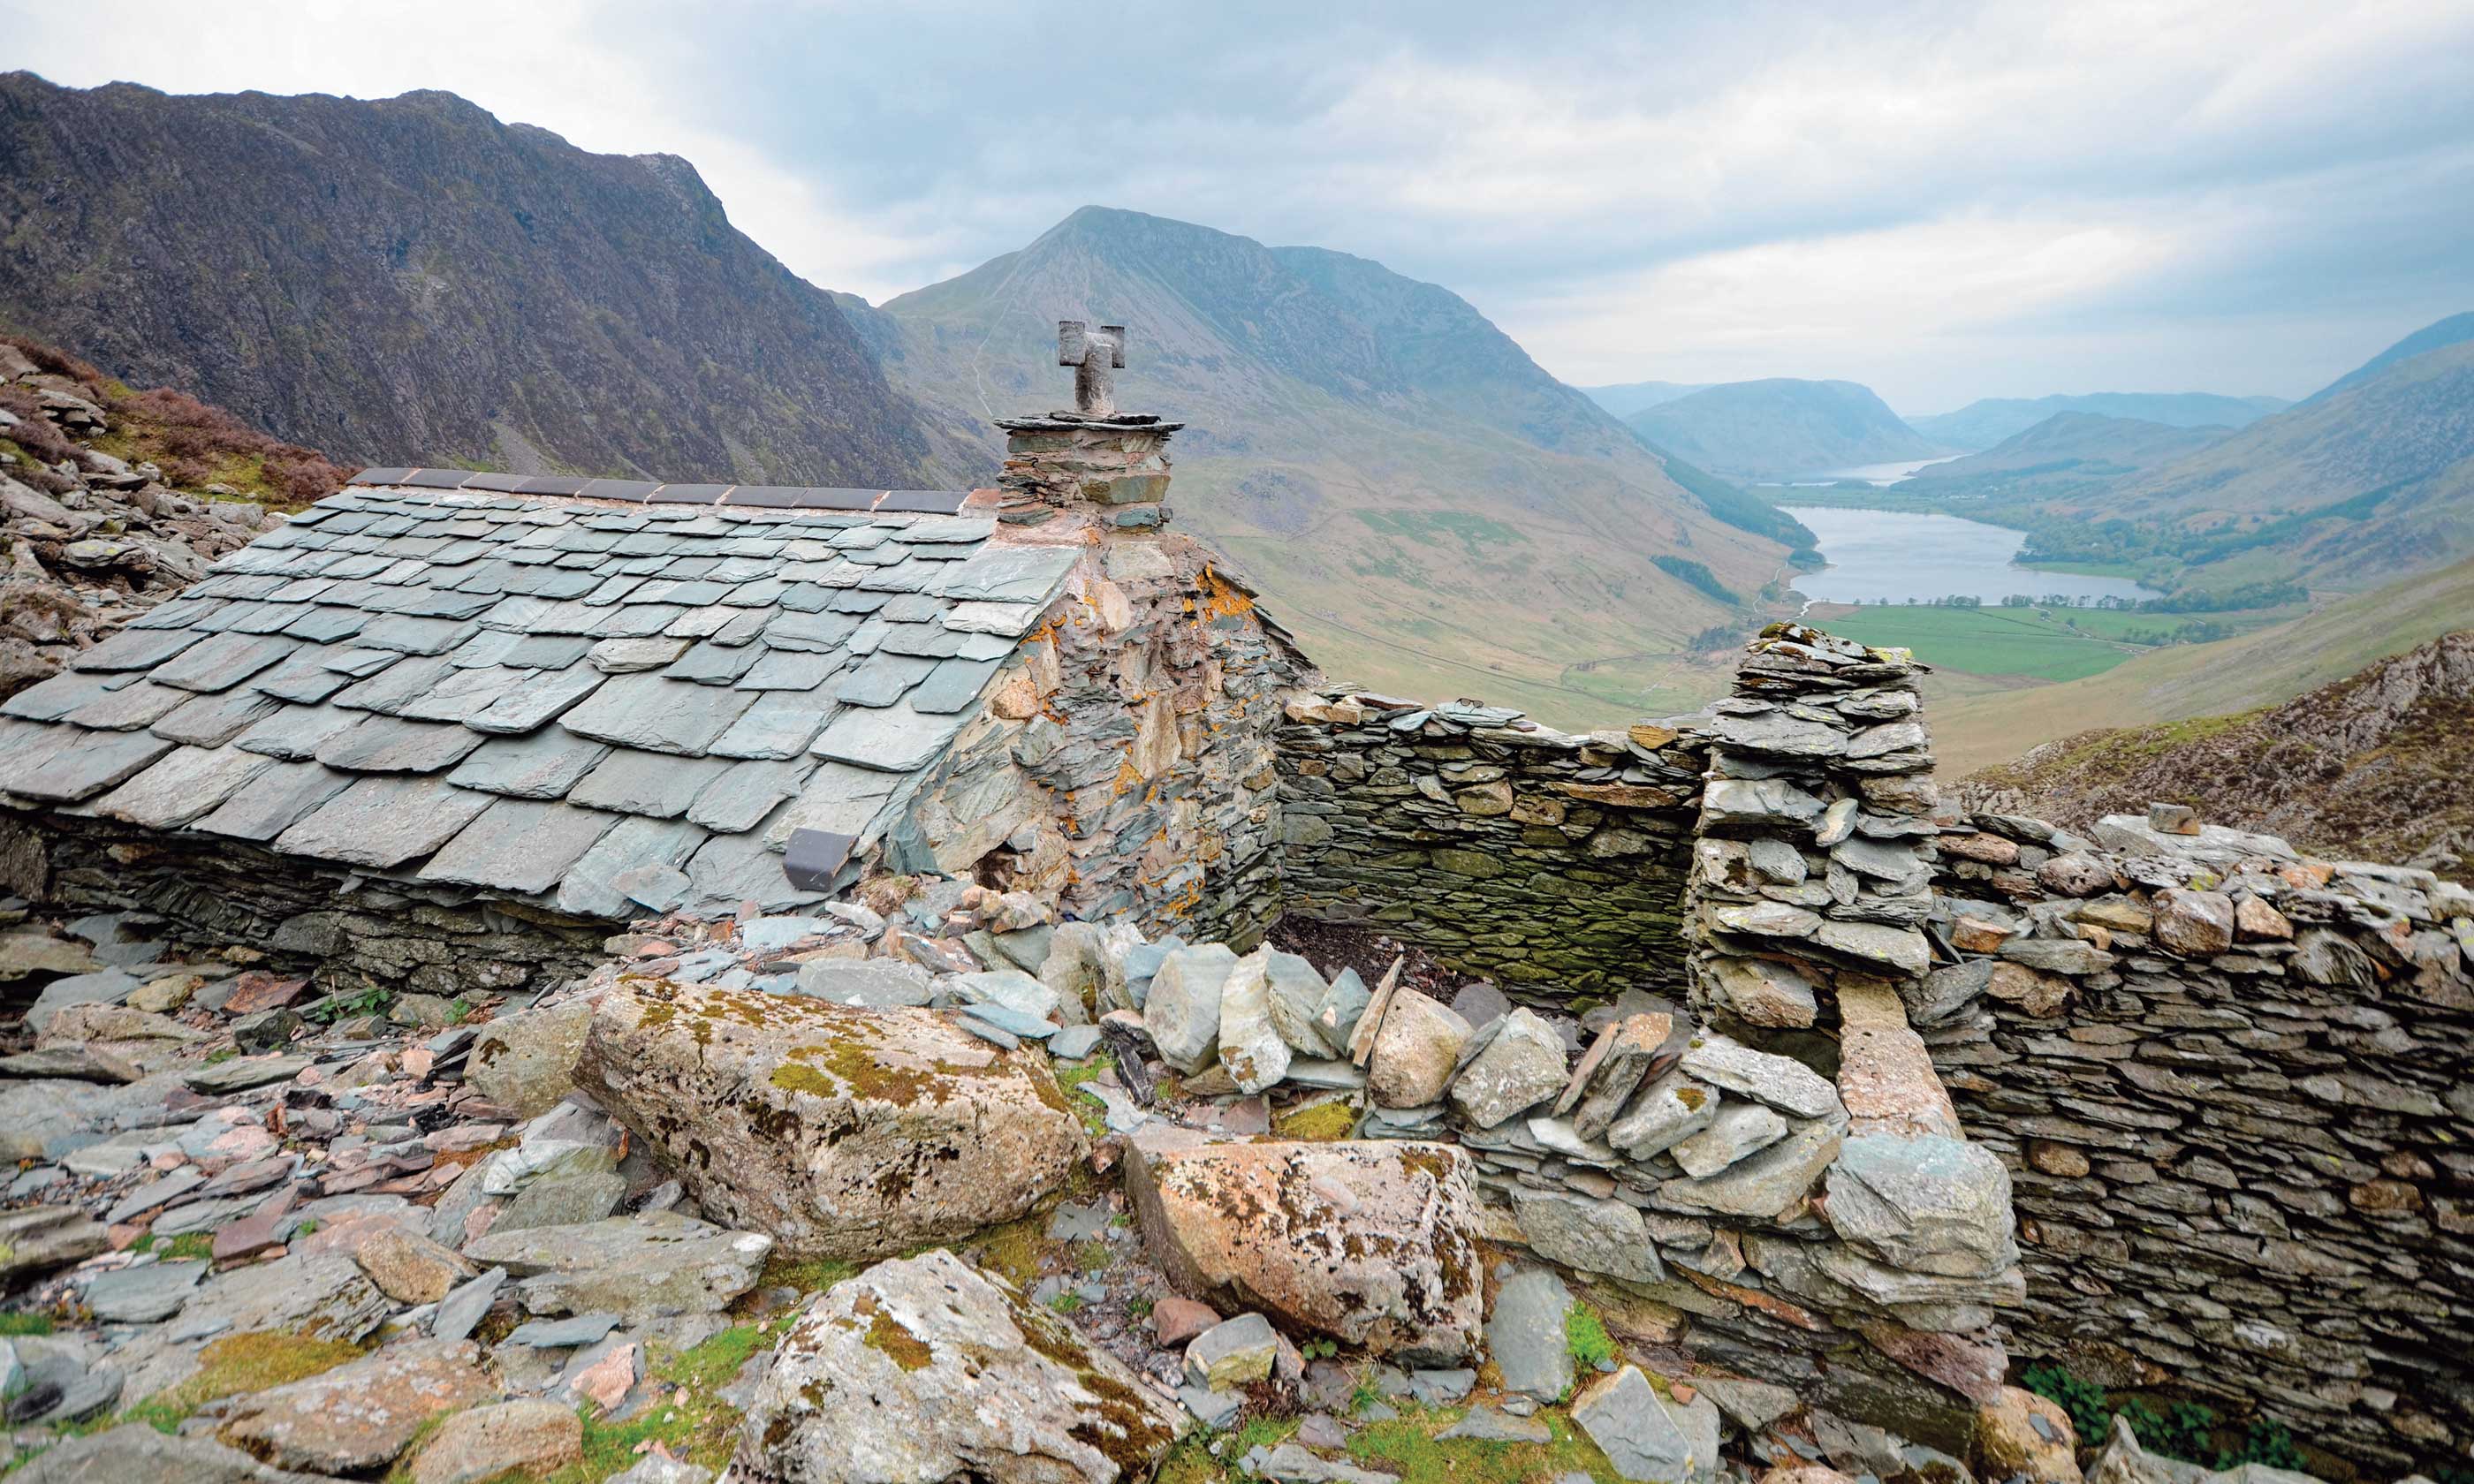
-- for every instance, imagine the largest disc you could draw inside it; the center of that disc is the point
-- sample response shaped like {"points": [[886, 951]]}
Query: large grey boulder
{"points": [[1182, 1011], [1251, 1046], [526, 1062], [1298, 994], [838, 1132], [1525, 1335], [648, 1266], [136, 1454], [1593, 1235], [1928, 1204], [1372, 1242], [924, 1371], [1519, 1068], [357, 1418], [1415, 1049], [1783, 1082]]}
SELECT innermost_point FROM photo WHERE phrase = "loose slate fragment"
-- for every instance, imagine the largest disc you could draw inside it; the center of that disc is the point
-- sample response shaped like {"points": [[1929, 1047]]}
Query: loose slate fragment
{"points": [[386, 744], [181, 786], [1012, 620], [273, 800], [654, 784], [893, 739], [544, 765], [656, 714], [627, 656], [517, 845], [588, 889], [296, 732], [548, 695], [222, 662], [952, 686], [73, 764], [385, 821]]}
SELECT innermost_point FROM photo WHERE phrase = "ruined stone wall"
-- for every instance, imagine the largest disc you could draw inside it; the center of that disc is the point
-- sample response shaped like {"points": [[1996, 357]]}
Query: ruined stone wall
{"points": [[1552, 864], [214, 891], [2236, 1090]]}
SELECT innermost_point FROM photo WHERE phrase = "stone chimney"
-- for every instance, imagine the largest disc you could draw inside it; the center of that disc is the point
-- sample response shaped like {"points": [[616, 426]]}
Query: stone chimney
{"points": [[1108, 465]]}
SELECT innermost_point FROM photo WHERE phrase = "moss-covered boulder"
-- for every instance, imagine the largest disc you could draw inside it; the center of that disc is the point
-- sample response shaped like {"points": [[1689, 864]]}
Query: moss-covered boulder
{"points": [[926, 1370], [1371, 1241], [839, 1131]]}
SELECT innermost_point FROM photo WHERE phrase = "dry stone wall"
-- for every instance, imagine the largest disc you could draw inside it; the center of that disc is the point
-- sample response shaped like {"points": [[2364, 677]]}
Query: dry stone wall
{"points": [[2236, 1090], [1553, 863]]}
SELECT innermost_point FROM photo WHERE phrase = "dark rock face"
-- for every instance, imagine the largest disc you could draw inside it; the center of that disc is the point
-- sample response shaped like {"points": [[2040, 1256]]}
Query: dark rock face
{"points": [[412, 282]]}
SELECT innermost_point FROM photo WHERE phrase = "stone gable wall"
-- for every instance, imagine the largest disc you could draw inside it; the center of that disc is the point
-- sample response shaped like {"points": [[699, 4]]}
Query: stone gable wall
{"points": [[1552, 864], [2235, 1088]]}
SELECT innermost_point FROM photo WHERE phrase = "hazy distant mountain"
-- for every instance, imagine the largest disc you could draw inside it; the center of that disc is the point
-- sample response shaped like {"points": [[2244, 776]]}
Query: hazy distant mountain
{"points": [[1981, 424], [1631, 396], [2455, 329], [1423, 502], [2066, 448], [1782, 428], [410, 280]]}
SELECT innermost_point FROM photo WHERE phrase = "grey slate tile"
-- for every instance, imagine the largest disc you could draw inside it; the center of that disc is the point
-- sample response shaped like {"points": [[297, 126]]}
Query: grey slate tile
{"points": [[743, 626], [892, 740], [732, 869], [487, 648], [954, 685], [746, 793], [813, 633], [626, 657], [181, 786], [782, 669], [712, 664], [961, 529], [1008, 574], [462, 694], [416, 635], [546, 695], [544, 765], [931, 640], [389, 690], [388, 743], [983, 646], [656, 714], [359, 663], [632, 621], [303, 681], [912, 608], [73, 764], [653, 784], [141, 705], [585, 891], [517, 845], [781, 723], [383, 822], [881, 680], [48, 701], [435, 603], [211, 721], [1011, 620], [295, 733], [222, 661]]}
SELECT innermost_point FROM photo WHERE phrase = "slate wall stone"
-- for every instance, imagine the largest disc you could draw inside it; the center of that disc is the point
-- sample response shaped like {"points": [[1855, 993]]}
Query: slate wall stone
{"points": [[2235, 1088], [1552, 864]]}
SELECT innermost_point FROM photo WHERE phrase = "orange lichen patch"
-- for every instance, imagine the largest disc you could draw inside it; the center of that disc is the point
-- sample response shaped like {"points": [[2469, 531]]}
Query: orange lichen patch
{"points": [[1222, 599], [1768, 1304]]}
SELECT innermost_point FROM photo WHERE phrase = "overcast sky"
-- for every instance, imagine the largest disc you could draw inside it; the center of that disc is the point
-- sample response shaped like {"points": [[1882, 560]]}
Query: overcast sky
{"points": [[1942, 201]]}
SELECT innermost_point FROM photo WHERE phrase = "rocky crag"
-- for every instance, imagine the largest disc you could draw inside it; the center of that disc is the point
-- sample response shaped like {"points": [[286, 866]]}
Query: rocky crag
{"points": [[113, 501]]}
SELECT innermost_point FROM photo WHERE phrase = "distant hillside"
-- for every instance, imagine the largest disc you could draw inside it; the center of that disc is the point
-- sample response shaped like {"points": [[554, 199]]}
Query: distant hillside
{"points": [[1782, 428], [2066, 448], [411, 280], [2376, 766], [2455, 329], [1423, 502], [1631, 396], [1981, 424], [2264, 667]]}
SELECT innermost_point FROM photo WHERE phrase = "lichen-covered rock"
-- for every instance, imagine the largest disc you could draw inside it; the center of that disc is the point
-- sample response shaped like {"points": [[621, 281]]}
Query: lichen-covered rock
{"points": [[1182, 1011], [357, 1418], [922, 1370], [1522, 1067], [1927, 1203], [1251, 1046], [1414, 1051], [2019, 1435], [1372, 1242], [526, 1062], [838, 1131]]}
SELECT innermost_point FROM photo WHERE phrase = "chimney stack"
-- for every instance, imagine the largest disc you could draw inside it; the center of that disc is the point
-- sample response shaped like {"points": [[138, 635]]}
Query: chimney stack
{"points": [[1109, 465]]}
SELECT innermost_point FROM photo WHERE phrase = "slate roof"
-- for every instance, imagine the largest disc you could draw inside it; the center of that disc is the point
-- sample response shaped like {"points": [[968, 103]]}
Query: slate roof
{"points": [[536, 691]]}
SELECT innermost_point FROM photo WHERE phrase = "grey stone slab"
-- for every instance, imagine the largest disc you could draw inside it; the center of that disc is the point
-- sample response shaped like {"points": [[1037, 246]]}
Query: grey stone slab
{"points": [[222, 662], [462, 694], [714, 665], [743, 626], [881, 680], [892, 740], [746, 793], [296, 732], [837, 798], [912, 608], [933, 641], [733, 869], [48, 701], [76, 764], [359, 663], [143, 1295], [519, 845], [1008, 574], [946, 530], [214, 719], [630, 621], [586, 889], [305, 681], [413, 635], [390, 688], [782, 669], [781, 723], [440, 603], [136, 649], [388, 743], [485, 649], [953, 685], [129, 708], [181, 786], [273, 800], [629, 656], [544, 765], [1011, 620], [814, 632], [549, 694], [657, 715], [656, 785], [385, 821], [546, 652]]}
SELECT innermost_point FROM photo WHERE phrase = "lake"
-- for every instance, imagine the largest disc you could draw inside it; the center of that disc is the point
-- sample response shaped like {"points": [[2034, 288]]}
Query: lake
{"points": [[1878, 475], [1877, 554]]}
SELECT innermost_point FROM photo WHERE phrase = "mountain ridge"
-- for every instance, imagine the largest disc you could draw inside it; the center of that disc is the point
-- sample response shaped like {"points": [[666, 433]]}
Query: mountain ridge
{"points": [[1988, 420], [1780, 427]]}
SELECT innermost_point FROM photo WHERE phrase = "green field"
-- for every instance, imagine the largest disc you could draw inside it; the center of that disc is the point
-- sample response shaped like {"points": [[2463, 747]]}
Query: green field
{"points": [[1982, 640]]}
